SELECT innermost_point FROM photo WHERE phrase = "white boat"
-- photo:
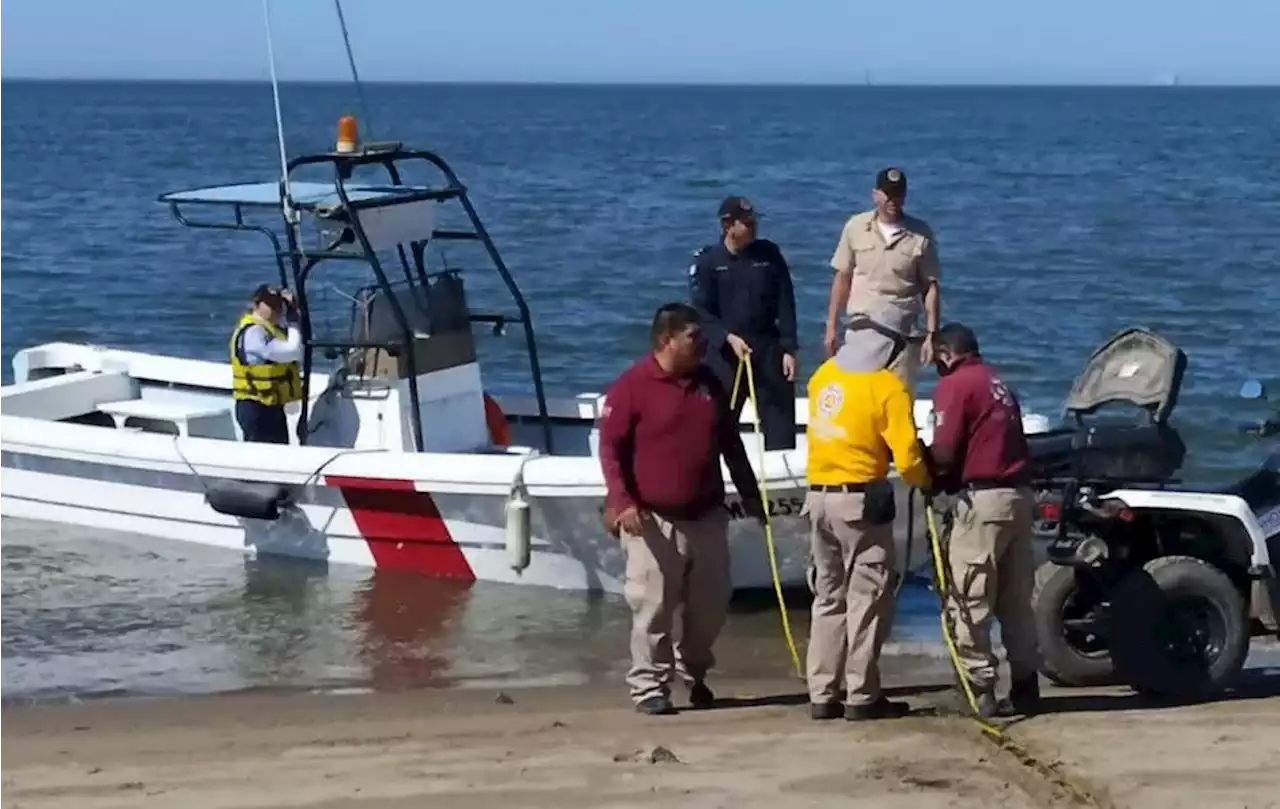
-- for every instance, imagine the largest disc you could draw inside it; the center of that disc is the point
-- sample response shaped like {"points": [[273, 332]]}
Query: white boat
{"points": [[395, 465]]}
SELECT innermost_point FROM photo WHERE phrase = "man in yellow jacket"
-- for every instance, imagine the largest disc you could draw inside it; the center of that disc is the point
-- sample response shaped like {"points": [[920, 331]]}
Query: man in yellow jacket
{"points": [[860, 418], [265, 347]]}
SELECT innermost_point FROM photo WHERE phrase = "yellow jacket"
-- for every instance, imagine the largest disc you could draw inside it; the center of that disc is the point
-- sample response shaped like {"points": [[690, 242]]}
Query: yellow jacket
{"points": [[857, 422]]}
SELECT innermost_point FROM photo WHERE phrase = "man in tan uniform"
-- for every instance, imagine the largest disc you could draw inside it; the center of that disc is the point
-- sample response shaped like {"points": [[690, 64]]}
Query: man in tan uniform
{"points": [[885, 256], [859, 417]]}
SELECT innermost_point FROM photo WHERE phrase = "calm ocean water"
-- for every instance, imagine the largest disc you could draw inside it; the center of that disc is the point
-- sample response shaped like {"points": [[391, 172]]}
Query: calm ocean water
{"points": [[1063, 216]]}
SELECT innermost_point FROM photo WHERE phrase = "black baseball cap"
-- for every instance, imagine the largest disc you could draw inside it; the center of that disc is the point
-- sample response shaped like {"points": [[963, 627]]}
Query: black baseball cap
{"points": [[266, 293], [737, 208], [891, 180]]}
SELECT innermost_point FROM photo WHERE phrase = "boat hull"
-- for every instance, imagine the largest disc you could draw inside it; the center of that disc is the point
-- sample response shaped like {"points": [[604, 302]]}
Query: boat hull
{"points": [[123, 441], [398, 524]]}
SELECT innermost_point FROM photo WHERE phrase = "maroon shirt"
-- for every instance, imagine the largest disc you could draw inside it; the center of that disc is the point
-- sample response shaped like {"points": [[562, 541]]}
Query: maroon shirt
{"points": [[661, 439], [978, 433]]}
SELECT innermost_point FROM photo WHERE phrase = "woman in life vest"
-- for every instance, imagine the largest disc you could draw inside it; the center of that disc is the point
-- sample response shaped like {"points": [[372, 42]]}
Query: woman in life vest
{"points": [[265, 347]]}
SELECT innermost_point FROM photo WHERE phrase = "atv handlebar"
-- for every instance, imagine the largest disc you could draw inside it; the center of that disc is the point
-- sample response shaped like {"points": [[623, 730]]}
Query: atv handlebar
{"points": [[1262, 429]]}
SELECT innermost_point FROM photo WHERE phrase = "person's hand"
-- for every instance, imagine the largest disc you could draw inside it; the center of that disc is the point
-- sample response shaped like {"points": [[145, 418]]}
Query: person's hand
{"points": [[754, 508], [830, 340], [628, 521], [789, 367], [926, 350], [290, 304], [739, 346]]}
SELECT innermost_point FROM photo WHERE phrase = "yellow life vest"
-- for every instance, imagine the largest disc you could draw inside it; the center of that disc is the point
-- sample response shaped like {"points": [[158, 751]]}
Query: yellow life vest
{"points": [[273, 383]]}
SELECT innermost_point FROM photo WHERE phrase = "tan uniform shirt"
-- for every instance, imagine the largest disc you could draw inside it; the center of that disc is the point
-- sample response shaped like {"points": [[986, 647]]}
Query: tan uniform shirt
{"points": [[893, 271]]}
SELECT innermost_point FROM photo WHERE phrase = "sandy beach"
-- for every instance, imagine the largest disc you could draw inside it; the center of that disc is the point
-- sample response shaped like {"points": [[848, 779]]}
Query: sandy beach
{"points": [[549, 747]]}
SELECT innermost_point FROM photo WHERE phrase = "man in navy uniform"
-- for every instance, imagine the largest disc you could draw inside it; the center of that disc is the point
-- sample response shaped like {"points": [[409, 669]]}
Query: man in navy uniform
{"points": [[741, 287]]}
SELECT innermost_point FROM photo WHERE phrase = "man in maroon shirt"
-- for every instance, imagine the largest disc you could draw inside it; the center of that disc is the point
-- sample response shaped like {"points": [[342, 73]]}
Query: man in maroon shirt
{"points": [[665, 425], [980, 450]]}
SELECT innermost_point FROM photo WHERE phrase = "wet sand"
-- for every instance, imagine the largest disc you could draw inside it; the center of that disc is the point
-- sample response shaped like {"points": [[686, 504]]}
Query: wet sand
{"points": [[548, 747]]}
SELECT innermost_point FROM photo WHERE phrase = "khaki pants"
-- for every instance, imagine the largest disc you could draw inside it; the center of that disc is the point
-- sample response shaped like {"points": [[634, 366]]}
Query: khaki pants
{"points": [[992, 574], [675, 570], [906, 366], [853, 602]]}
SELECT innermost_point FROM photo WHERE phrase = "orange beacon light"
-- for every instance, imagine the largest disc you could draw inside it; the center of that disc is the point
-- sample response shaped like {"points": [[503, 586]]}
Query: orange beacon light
{"points": [[347, 134]]}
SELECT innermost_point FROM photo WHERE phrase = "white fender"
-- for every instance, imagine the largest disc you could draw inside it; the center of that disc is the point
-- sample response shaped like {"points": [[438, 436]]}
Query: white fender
{"points": [[519, 530]]}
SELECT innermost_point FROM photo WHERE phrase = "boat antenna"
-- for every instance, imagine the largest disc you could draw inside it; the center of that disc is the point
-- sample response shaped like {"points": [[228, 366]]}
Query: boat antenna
{"points": [[355, 75], [290, 216]]}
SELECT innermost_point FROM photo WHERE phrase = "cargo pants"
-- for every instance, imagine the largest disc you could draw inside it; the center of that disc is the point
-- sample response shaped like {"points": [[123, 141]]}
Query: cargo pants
{"points": [[853, 601], [992, 572], [677, 571]]}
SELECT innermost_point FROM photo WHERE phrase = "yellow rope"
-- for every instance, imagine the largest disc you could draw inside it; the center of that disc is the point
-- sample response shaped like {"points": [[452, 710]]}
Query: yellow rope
{"points": [[993, 732], [996, 734], [745, 362], [939, 568]]}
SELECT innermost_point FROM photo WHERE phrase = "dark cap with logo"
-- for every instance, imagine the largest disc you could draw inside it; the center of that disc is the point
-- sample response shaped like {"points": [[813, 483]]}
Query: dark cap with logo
{"points": [[737, 208], [891, 181]]}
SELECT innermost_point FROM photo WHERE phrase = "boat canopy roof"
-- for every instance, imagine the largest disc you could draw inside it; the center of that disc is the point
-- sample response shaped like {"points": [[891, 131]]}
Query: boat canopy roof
{"points": [[305, 195]]}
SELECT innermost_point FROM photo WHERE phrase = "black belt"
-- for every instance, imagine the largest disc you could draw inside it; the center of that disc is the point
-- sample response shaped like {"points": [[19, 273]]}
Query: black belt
{"points": [[982, 485], [843, 488]]}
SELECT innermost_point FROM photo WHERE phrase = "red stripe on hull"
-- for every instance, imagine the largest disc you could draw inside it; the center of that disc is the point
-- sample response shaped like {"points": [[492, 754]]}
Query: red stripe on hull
{"points": [[403, 527]]}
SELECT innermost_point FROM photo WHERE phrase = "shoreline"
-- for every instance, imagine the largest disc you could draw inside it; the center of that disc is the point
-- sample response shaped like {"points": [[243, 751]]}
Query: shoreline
{"points": [[547, 746], [540, 747], [909, 661]]}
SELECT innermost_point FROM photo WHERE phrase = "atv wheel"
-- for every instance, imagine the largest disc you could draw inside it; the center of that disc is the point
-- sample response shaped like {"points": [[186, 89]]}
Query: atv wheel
{"points": [[1069, 629], [1179, 628]]}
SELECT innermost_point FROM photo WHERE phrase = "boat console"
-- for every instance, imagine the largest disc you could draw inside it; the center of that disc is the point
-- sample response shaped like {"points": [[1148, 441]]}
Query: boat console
{"points": [[407, 353], [1135, 369]]}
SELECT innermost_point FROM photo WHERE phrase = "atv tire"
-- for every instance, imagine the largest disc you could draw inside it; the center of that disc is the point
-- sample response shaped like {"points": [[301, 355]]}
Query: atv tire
{"points": [[1061, 659], [1179, 628]]}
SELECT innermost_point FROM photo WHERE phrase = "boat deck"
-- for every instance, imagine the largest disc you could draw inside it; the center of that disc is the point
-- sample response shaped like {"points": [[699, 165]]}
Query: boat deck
{"points": [[192, 399]]}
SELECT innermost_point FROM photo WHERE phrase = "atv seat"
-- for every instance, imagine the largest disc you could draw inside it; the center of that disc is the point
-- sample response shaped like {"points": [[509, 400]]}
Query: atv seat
{"points": [[1135, 370], [1151, 453]]}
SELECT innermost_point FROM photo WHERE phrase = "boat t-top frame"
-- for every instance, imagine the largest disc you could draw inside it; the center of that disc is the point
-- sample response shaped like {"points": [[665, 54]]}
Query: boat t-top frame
{"points": [[340, 210]]}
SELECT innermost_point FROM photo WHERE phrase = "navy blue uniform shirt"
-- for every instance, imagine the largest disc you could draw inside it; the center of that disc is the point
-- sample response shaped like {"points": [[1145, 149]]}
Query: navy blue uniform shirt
{"points": [[748, 294]]}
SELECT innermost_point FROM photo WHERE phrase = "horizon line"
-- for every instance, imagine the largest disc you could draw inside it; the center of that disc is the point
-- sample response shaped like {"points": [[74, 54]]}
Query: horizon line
{"points": [[1181, 84]]}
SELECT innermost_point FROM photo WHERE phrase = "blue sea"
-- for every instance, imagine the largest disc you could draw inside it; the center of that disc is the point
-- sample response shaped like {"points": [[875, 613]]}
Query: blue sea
{"points": [[1063, 215]]}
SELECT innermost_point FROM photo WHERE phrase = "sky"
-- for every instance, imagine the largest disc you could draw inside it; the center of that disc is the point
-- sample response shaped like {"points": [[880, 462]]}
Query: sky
{"points": [[683, 41]]}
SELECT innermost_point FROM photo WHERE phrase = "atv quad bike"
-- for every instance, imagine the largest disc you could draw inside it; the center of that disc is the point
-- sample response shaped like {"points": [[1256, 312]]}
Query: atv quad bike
{"points": [[1146, 582]]}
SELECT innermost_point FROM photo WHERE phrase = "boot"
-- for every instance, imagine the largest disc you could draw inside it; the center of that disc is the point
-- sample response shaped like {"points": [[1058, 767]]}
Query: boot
{"points": [[1024, 695], [656, 706], [700, 696], [882, 708], [819, 711]]}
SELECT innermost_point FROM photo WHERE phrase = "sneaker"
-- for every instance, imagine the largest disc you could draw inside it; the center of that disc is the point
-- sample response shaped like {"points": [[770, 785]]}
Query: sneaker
{"points": [[655, 706], [1024, 696], [880, 709], [701, 697], [819, 711]]}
